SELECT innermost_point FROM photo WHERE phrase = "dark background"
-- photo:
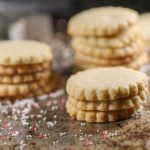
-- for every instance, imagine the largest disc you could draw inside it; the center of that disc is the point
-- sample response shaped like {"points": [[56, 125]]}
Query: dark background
{"points": [[59, 10], [66, 8]]}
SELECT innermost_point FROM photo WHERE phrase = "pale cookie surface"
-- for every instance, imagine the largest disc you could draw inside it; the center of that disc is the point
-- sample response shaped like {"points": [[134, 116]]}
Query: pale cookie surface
{"points": [[33, 91], [103, 61], [99, 116], [25, 69], [23, 52], [118, 41], [139, 62], [124, 103], [102, 21], [31, 94], [144, 24], [135, 64], [96, 51], [8, 90], [106, 83], [25, 78]]}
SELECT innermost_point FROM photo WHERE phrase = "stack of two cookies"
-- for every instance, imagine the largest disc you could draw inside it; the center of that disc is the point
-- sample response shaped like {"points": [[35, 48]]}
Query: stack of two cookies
{"points": [[25, 69], [107, 36], [105, 94]]}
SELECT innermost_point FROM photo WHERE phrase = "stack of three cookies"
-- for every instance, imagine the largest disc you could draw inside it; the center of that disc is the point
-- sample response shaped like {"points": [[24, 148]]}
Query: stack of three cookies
{"points": [[25, 69], [105, 94], [107, 36]]}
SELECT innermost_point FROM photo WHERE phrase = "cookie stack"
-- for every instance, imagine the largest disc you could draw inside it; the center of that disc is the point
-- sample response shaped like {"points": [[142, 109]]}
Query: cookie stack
{"points": [[25, 69], [144, 24], [107, 36], [105, 94]]}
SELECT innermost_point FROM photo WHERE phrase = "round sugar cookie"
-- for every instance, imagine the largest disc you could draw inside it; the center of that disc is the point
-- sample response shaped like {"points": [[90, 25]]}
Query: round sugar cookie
{"points": [[124, 103], [102, 21], [99, 116], [107, 83], [104, 61], [144, 23], [8, 90], [45, 87], [23, 53], [137, 63], [25, 69], [132, 49], [118, 41], [25, 78]]}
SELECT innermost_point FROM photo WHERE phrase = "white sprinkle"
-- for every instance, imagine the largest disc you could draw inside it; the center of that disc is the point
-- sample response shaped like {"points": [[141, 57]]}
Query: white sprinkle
{"points": [[11, 128], [32, 116], [62, 133], [55, 116], [55, 142], [75, 135], [82, 124], [54, 108], [81, 138], [24, 123], [15, 133], [50, 124], [44, 118], [29, 136], [39, 116]]}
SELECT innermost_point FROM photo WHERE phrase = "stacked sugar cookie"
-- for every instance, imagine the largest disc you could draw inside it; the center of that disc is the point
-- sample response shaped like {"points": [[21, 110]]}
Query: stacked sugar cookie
{"points": [[144, 24], [105, 94], [25, 69], [107, 36]]}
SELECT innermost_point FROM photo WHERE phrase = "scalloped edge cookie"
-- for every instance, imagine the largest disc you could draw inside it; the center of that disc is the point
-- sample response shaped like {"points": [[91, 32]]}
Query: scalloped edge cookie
{"points": [[42, 89], [129, 50], [118, 41], [104, 61], [99, 116], [135, 64], [25, 69], [25, 78], [108, 21], [125, 103], [8, 90], [24, 52], [108, 83], [144, 23]]}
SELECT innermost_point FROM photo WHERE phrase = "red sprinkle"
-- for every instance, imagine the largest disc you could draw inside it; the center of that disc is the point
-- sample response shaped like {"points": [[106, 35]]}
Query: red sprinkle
{"points": [[105, 134], [36, 106], [87, 142], [71, 147]]}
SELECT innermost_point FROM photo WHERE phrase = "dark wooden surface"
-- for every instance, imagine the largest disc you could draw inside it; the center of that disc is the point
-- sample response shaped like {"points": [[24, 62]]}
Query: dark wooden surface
{"points": [[44, 125]]}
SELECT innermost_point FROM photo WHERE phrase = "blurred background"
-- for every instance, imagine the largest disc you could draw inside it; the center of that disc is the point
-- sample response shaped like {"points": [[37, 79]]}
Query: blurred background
{"points": [[46, 20], [56, 11]]}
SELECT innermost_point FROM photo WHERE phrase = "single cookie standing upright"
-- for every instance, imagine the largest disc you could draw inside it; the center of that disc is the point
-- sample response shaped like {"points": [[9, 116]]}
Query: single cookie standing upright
{"points": [[104, 21]]}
